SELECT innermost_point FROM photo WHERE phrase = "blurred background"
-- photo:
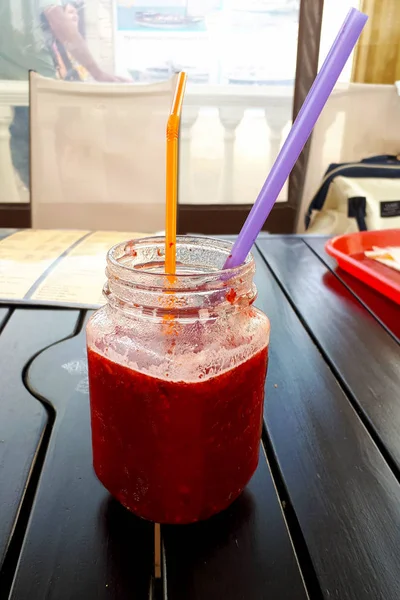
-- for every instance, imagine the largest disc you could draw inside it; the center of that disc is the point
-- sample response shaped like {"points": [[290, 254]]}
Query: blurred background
{"points": [[250, 64]]}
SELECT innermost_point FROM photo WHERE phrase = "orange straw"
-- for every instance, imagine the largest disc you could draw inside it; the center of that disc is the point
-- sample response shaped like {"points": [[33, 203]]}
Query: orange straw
{"points": [[172, 175]]}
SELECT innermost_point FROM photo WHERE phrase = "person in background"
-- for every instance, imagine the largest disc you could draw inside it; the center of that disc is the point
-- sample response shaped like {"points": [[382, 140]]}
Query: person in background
{"points": [[23, 47], [66, 66]]}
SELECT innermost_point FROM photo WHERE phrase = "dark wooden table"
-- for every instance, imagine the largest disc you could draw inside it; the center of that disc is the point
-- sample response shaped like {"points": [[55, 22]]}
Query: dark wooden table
{"points": [[321, 516]]}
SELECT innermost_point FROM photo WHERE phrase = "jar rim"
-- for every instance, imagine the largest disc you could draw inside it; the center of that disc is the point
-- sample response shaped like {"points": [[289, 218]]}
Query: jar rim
{"points": [[130, 248]]}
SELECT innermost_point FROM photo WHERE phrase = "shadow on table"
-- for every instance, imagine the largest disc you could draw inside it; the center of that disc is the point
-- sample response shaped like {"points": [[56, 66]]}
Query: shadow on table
{"points": [[129, 543], [213, 558], [217, 532]]}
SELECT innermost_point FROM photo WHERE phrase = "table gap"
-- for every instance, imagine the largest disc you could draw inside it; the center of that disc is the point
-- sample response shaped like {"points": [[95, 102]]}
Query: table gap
{"points": [[158, 591], [299, 545], [357, 409]]}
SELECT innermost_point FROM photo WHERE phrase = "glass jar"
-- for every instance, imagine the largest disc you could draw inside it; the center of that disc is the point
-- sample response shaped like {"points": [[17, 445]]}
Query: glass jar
{"points": [[177, 368]]}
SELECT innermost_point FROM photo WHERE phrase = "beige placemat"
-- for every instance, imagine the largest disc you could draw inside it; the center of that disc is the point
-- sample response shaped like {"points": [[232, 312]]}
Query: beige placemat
{"points": [[56, 267]]}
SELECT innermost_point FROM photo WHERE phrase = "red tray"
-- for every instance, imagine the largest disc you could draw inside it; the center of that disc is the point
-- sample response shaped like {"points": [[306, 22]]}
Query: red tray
{"points": [[349, 250]]}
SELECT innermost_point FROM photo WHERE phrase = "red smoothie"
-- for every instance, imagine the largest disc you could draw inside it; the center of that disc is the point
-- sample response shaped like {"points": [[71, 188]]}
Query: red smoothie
{"points": [[175, 451]]}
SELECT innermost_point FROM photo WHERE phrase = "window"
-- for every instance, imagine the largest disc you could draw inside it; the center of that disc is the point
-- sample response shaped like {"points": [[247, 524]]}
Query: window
{"points": [[240, 56]]}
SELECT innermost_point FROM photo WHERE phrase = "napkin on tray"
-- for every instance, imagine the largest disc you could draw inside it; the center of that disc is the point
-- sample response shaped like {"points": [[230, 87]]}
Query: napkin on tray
{"points": [[389, 256]]}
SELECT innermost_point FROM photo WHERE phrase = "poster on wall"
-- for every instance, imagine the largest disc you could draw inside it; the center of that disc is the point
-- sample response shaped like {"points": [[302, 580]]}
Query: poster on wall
{"points": [[156, 38], [165, 15], [215, 41]]}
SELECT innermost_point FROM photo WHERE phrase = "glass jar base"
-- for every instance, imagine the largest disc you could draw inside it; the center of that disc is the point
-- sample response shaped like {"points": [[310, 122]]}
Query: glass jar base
{"points": [[164, 518]]}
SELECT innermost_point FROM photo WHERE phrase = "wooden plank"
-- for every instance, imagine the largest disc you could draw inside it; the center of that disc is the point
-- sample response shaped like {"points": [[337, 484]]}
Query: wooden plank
{"points": [[384, 309], [223, 219], [80, 543], [23, 418], [244, 552], [234, 554], [354, 342], [343, 493], [14, 214]]}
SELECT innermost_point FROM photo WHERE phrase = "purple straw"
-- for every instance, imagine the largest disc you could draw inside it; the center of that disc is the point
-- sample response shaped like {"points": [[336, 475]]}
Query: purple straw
{"points": [[298, 135]]}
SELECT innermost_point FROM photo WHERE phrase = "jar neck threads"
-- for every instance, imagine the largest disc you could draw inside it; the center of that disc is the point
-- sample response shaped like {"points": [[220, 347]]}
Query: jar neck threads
{"points": [[137, 282]]}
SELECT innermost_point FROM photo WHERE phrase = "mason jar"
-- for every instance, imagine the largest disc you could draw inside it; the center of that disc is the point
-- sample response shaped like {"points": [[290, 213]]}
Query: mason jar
{"points": [[177, 367]]}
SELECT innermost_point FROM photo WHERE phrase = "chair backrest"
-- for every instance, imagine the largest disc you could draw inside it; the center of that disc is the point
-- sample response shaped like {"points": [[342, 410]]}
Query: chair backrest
{"points": [[359, 120], [98, 154]]}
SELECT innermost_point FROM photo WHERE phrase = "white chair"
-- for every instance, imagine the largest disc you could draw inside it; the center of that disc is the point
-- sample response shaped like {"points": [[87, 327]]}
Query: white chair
{"points": [[98, 154], [359, 120]]}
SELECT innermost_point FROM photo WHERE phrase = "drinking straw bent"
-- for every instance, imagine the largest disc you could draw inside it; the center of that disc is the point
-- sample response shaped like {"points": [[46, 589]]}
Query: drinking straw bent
{"points": [[172, 175]]}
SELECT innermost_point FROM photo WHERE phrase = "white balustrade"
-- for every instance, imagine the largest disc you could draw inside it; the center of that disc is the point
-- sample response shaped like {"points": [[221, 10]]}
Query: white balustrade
{"points": [[277, 118], [233, 103], [230, 117], [212, 177], [189, 118]]}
